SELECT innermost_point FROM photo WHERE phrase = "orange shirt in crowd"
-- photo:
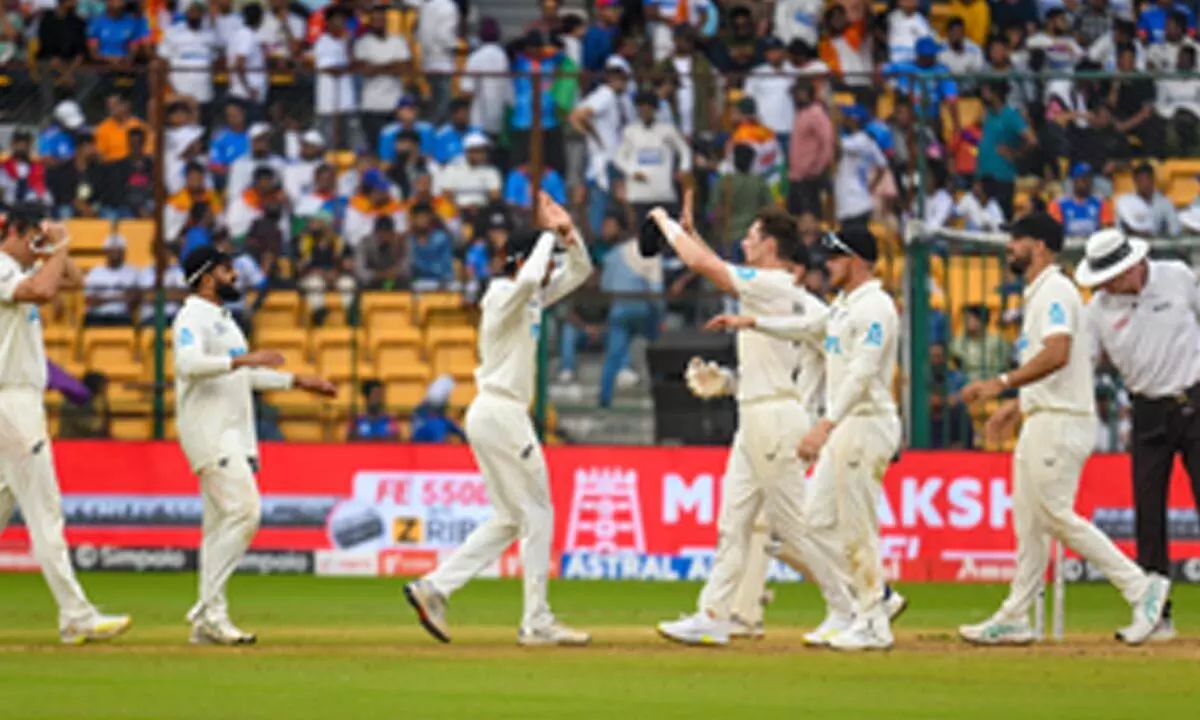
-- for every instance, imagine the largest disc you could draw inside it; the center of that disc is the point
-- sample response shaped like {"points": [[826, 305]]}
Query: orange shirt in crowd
{"points": [[112, 138]]}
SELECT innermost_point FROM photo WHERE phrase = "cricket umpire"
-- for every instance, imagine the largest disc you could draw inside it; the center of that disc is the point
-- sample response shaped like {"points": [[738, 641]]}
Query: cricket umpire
{"points": [[1145, 316]]}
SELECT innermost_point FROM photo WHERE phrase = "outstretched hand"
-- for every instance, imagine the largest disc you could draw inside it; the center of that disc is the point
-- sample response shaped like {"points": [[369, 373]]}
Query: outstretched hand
{"points": [[316, 385], [730, 322], [555, 217]]}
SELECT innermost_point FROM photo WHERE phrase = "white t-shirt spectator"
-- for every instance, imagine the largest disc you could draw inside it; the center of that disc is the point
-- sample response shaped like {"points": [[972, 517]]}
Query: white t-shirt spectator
{"points": [[903, 33], [661, 33], [227, 28], [1103, 51], [969, 60], [246, 43], [335, 94], [437, 35], [799, 19], [685, 96], [771, 89], [110, 285], [381, 93], [1164, 55], [1062, 52], [489, 95], [610, 114], [470, 186], [172, 280], [272, 34], [861, 159], [1156, 218], [979, 217], [190, 54], [1178, 94]]}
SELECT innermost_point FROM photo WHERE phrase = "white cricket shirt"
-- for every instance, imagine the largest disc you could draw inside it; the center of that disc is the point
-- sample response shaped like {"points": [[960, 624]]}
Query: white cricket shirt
{"points": [[511, 319], [190, 54], [246, 43], [861, 346], [609, 116], [335, 94], [903, 33], [22, 351], [805, 328], [771, 89], [381, 93], [656, 152], [214, 404], [765, 363], [1152, 338], [1053, 307]]}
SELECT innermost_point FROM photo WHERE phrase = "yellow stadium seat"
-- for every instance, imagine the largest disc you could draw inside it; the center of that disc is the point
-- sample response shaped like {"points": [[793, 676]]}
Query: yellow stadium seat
{"points": [[139, 240], [60, 344], [103, 347], [280, 309], [339, 348], [303, 428], [1183, 189], [386, 310], [462, 395], [405, 394], [132, 428], [88, 234], [335, 313], [291, 342], [451, 347], [439, 301], [395, 348]]}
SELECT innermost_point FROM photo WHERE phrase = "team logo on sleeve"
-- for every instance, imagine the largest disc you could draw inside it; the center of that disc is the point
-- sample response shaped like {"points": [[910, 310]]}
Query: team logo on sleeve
{"points": [[1058, 316], [874, 335], [186, 338]]}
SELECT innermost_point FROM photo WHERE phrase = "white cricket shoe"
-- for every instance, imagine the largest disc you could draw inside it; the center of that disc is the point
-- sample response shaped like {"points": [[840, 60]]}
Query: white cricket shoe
{"points": [[553, 634], [219, 631], [894, 605], [1164, 632], [430, 606], [1147, 611], [696, 629], [95, 629], [835, 623], [740, 629], [865, 634], [997, 630]]}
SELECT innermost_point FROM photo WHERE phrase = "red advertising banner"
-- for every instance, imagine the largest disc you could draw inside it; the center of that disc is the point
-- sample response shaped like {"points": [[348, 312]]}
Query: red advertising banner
{"points": [[619, 512]]}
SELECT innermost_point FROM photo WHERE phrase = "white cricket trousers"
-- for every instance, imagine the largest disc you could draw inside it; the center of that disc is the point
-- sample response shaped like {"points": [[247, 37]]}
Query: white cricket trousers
{"points": [[763, 474], [841, 510], [232, 512], [510, 459], [27, 477], [1047, 465]]}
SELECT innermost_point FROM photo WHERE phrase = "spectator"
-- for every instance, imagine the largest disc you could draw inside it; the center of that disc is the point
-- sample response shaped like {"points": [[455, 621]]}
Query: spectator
{"points": [[739, 196], [134, 175], [92, 418], [939, 202], [448, 142], [117, 35], [229, 144], [485, 81], [697, 83], [537, 56], [770, 84], [22, 176], [250, 279], [906, 25], [1165, 55], [1093, 22], [472, 181], [406, 121], [950, 423], [336, 104], [186, 146], [226, 23], [976, 16], [653, 157], [381, 261], [246, 207], [266, 420], [929, 78], [110, 289], [373, 200], [195, 205], [1006, 136], [487, 243], [518, 188], [586, 311], [431, 251], [635, 286], [300, 176], [912, 140], [1152, 23], [112, 135], [242, 170], [747, 130], [444, 208], [72, 185], [246, 57], [323, 263], [1104, 50], [979, 211], [62, 48], [600, 39], [324, 196], [860, 170], [1082, 212], [1146, 212], [601, 118], [846, 49], [1114, 413], [977, 350], [189, 47], [1062, 52], [1015, 14], [56, 144], [383, 61], [317, 20], [961, 56], [437, 34], [549, 21], [799, 20], [175, 288], [946, 375], [375, 423], [1138, 131], [284, 31], [810, 152], [409, 163], [1179, 101], [430, 423]]}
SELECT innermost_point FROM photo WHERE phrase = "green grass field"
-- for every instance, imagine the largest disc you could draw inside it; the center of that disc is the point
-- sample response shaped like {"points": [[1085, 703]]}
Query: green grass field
{"points": [[350, 648]]}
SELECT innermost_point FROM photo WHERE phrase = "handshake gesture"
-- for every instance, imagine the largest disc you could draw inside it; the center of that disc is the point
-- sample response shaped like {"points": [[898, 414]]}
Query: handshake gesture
{"points": [[707, 379]]}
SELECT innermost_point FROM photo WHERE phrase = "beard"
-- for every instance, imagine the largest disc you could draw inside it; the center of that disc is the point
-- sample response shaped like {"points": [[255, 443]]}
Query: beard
{"points": [[229, 293], [1018, 265]]}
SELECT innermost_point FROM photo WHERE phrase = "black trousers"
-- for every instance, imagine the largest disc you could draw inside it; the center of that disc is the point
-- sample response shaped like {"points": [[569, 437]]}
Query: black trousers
{"points": [[1162, 429]]}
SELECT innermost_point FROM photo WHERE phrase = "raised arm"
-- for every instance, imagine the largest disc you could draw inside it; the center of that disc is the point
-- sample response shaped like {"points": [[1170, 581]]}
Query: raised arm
{"points": [[694, 253], [578, 267]]}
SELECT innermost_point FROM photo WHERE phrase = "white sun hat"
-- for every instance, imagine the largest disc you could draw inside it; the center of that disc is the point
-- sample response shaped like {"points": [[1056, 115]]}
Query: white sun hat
{"points": [[1108, 254]]}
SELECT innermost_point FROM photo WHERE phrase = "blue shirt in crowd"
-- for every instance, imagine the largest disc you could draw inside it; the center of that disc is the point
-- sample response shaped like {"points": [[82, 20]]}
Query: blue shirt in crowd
{"points": [[522, 113], [115, 37], [430, 425], [517, 190], [597, 46], [56, 143], [448, 143], [906, 78], [433, 259], [227, 146], [1152, 23], [387, 139], [478, 259], [1003, 127]]}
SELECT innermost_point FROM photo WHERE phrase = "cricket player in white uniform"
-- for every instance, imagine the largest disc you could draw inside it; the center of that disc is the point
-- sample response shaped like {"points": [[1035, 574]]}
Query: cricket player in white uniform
{"points": [[806, 328], [215, 378], [763, 472], [855, 441], [27, 476], [502, 436], [1057, 399]]}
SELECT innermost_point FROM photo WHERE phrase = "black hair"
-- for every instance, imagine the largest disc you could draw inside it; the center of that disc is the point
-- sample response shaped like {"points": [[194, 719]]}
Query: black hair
{"points": [[571, 22], [384, 223], [193, 167], [743, 157], [252, 15], [410, 135], [369, 386], [422, 207], [776, 223], [1144, 169], [955, 22]]}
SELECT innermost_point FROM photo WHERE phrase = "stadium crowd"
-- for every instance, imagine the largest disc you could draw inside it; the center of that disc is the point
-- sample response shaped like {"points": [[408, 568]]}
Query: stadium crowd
{"points": [[351, 145]]}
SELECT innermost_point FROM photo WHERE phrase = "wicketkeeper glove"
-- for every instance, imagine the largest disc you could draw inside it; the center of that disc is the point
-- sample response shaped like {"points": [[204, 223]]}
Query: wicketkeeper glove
{"points": [[707, 379]]}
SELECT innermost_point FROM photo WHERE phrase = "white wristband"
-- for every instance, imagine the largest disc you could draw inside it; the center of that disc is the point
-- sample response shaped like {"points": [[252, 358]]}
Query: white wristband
{"points": [[672, 229]]}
